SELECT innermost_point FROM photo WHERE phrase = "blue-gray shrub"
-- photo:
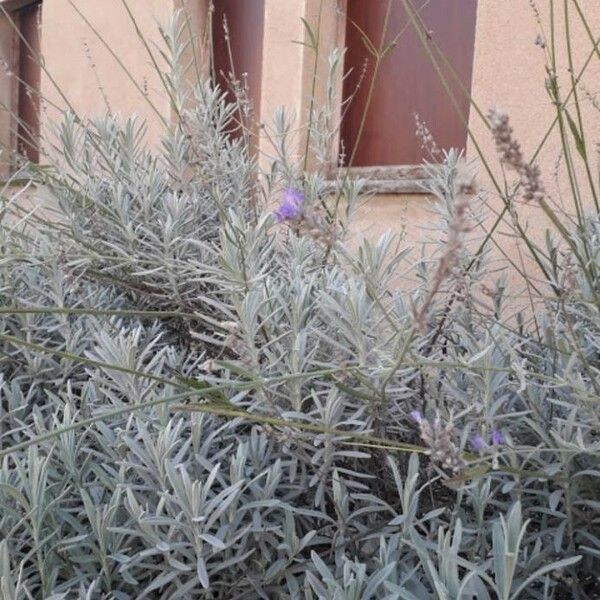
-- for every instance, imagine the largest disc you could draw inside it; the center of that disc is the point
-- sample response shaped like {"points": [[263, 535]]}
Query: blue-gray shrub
{"points": [[203, 289]]}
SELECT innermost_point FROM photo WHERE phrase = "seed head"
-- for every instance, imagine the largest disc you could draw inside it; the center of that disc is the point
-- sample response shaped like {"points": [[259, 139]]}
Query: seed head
{"points": [[511, 155]]}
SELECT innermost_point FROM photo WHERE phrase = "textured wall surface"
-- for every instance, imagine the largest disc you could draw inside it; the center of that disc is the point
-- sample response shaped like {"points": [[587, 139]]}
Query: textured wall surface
{"points": [[508, 72], [80, 64]]}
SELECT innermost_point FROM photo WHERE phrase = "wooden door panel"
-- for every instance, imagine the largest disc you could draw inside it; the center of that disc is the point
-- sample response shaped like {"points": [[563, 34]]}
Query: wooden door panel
{"points": [[245, 20], [407, 82], [28, 110]]}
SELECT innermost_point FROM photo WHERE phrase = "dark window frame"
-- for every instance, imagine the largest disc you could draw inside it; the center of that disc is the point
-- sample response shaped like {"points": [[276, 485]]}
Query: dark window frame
{"points": [[400, 176], [24, 121], [28, 107]]}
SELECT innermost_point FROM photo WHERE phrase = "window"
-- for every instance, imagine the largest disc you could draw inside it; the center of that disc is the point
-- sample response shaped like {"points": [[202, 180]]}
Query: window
{"points": [[28, 107], [407, 82], [243, 48], [19, 81]]}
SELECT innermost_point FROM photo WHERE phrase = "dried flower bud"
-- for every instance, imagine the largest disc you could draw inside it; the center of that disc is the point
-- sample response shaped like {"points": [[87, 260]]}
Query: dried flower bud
{"points": [[230, 326], [511, 154], [209, 366], [437, 436]]}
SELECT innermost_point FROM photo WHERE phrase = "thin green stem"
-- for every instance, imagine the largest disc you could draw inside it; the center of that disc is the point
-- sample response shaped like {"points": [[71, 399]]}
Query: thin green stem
{"points": [[592, 185], [311, 107], [410, 11], [120, 63]]}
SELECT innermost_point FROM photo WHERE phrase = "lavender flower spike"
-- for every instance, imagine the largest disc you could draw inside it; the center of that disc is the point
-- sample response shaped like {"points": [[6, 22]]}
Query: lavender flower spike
{"points": [[290, 207], [477, 443], [497, 438], [415, 415]]}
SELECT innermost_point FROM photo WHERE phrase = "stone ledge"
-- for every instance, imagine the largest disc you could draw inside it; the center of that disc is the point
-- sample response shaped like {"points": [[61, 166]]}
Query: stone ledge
{"points": [[407, 179]]}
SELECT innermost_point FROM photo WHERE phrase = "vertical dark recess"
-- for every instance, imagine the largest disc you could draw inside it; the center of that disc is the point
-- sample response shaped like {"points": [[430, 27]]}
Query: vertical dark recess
{"points": [[245, 20], [407, 82], [28, 108]]}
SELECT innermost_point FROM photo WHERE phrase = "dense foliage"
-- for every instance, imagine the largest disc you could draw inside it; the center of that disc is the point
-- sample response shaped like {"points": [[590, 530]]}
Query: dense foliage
{"points": [[202, 399]]}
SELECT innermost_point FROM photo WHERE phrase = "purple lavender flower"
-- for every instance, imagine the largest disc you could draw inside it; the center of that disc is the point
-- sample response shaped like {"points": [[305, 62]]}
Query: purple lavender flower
{"points": [[497, 438], [415, 415], [290, 206], [477, 443]]}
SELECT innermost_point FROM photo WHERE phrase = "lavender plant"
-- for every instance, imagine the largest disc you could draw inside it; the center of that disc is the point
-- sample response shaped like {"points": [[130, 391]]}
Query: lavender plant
{"points": [[203, 397]]}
